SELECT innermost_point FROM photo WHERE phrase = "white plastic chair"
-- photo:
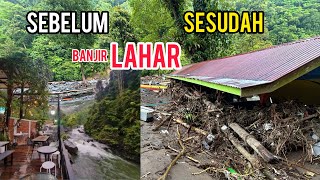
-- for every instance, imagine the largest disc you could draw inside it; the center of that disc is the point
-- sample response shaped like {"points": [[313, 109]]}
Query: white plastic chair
{"points": [[57, 153], [48, 165]]}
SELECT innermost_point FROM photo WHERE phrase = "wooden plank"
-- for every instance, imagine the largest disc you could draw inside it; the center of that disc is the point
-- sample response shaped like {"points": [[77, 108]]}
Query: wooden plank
{"points": [[254, 161], [253, 143], [40, 139]]}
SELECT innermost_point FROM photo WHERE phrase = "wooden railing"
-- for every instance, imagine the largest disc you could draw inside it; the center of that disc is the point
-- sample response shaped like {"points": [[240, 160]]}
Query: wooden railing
{"points": [[67, 169]]}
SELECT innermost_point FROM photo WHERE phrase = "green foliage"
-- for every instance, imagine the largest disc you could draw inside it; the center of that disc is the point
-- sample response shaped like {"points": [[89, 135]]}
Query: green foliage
{"points": [[160, 25], [115, 121], [285, 21], [64, 136], [291, 20], [77, 118], [3, 137], [120, 29], [288, 20]]}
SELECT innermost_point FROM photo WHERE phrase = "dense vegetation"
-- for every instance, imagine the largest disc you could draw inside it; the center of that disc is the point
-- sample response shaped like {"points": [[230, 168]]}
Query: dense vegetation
{"points": [[152, 20], [285, 21], [115, 114], [113, 119]]}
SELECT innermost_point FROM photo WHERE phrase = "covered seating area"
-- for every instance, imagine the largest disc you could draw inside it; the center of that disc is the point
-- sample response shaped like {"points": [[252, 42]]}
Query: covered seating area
{"points": [[29, 149], [37, 155]]}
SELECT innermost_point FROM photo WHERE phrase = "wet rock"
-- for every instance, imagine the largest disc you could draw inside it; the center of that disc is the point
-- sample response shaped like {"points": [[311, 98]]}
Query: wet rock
{"points": [[71, 147], [89, 140]]}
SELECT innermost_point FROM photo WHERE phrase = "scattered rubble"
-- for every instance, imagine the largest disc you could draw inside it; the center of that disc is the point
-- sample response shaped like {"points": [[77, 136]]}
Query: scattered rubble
{"points": [[234, 141], [61, 86]]}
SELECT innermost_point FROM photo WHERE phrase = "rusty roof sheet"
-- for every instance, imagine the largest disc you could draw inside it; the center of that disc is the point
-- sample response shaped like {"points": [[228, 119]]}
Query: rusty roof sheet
{"points": [[255, 68]]}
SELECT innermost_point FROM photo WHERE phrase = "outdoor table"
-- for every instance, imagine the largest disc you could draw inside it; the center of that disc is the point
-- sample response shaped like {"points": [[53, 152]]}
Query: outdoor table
{"points": [[40, 139], [47, 150], [39, 176], [4, 143]]}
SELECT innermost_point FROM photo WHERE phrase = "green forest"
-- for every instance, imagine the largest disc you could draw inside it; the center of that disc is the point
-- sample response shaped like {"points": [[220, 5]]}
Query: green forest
{"points": [[114, 118], [150, 21]]}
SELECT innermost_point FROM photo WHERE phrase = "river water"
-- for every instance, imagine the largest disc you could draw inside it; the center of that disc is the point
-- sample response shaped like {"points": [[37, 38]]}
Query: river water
{"points": [[95, 162]]}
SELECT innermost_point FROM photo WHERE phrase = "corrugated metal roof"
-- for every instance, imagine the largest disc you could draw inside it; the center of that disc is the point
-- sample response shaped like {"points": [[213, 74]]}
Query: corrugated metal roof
{"points": [[255, 68]]}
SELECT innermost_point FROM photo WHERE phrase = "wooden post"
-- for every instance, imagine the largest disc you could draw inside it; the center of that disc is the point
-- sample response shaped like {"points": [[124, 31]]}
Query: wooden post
{"points": [[21, 102], [59, 124], [252, 142]]}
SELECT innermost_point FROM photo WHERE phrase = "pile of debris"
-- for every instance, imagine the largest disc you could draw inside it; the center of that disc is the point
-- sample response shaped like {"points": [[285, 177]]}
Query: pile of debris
{"points": [[152, 80], [60, 86], [231, 141]]}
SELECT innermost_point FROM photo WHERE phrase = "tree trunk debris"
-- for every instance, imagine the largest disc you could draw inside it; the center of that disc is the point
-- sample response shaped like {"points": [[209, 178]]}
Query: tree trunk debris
{"points": [[268, 131], [173, 162], [253, 143]]}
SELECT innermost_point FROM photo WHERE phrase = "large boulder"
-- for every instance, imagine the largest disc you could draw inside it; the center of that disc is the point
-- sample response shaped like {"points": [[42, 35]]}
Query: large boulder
{"points": [[70, 146]]}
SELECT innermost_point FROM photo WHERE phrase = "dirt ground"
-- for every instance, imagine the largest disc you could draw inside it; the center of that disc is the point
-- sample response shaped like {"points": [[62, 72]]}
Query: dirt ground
{"points": [[157, 151], [155, 157]]}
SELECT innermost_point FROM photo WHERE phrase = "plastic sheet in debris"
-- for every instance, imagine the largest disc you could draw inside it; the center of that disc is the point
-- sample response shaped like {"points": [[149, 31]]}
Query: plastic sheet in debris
{"points": [[316, 149]]}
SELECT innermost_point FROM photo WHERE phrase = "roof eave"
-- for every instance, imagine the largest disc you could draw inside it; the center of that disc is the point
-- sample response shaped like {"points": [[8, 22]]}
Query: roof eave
{"points": [[270, 87], [258, 89], [220, 87]]}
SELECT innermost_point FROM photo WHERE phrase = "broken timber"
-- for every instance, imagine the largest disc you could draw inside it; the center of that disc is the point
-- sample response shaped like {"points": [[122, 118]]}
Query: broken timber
{"points": [[254, 161], [197, 130], [162, 122], [253, 143]]}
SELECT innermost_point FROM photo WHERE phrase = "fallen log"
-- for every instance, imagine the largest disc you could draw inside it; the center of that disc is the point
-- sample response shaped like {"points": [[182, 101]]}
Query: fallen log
{"points": [[173, 162], [254, 161], [162, 122], [190, 158], [197, 130], [306, 118], [253, 143]]}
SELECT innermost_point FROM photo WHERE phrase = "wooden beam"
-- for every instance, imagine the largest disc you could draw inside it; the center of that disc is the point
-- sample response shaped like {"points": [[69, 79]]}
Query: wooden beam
{"points": [[253, 143], [254, 161]]}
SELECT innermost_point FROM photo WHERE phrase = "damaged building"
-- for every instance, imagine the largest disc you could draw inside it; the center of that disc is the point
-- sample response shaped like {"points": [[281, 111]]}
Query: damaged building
{"points": [[284, 72], [203, 119]]}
